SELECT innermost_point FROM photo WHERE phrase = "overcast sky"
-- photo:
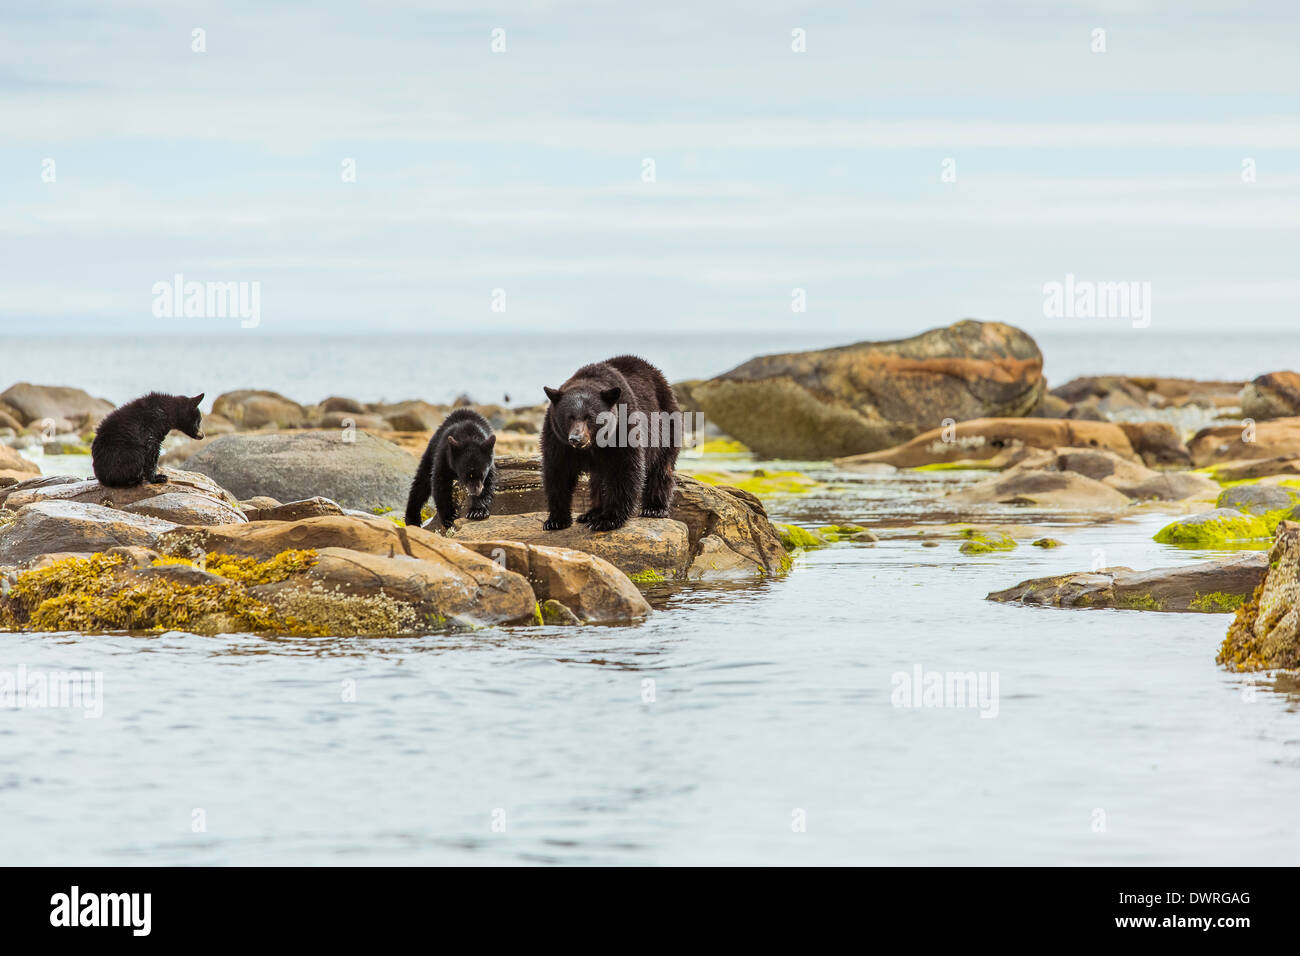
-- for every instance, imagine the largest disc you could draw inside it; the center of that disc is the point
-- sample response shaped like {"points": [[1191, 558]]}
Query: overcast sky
{"points": [[523, 170]]}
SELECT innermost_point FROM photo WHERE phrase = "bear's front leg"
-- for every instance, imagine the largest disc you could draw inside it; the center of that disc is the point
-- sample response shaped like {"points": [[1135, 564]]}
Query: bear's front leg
{"points": [[444, 501], [559, 481], [620, 492], [158, 479]]}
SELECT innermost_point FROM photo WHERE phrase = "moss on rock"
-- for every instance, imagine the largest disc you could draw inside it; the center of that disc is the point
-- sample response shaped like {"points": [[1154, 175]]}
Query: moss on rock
{"points": [[794, 537], [1220, 528], [985, 542]]}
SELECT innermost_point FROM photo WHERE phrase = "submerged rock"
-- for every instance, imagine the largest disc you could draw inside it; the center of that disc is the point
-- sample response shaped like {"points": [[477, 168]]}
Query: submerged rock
{"points": [[1207, 587], [364, 473], [1266, 631], [872, 395], [989, 438]]}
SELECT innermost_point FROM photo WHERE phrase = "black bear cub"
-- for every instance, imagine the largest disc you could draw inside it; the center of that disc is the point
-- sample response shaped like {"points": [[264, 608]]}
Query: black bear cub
{"points": [[618, 422], [128, 442], [460, 450]]}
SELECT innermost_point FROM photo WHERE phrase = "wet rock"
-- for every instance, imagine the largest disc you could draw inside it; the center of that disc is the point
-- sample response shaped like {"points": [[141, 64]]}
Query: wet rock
{"points": [[986, 438], [253, 408], [1220, 528], [1265, 634], [873, 395], [72, 526], [1206, 586], [362, 474], [1275, 395], [592, 589]]}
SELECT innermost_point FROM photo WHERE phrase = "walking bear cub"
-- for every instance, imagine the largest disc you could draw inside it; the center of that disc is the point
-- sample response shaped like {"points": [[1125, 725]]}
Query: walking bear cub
{"points": [[608, 421], [128, 442], [460, 450]]}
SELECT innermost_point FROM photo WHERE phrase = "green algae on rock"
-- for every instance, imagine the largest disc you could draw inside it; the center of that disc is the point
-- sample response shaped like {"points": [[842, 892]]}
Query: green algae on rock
{"points": [[1220, 528], [1047, 543], [986, 542], [795, 538]]}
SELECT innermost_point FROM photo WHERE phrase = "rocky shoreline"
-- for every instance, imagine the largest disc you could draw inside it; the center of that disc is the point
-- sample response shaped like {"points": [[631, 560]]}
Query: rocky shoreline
{"points": [[282, 519]]}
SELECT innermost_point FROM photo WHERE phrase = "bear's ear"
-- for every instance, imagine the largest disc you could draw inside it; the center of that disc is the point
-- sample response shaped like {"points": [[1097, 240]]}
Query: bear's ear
{"points": [[552, 393], [197, 399], [610, 395], [451, 440], [491, 442]]}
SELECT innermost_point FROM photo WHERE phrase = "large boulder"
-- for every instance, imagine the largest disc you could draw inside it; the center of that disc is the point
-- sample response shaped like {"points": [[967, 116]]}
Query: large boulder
{"points": [[1275, 395], [648, 549], [728, 531], [983, 439], [872, 395], [255, 408], [1266, 631], [365, 473], [1279, 438], [1207, 586], [591, 588], [187, 498], [68, 408], [47, 527]]}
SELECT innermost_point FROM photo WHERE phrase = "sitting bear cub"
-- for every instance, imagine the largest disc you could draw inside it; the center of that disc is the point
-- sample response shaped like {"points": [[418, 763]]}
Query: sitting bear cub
{"points": [[587, 431], [460, 450], [128, 442]]}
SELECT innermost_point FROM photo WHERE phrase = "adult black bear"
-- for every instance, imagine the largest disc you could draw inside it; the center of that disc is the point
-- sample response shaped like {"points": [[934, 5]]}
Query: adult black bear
{"points": [[460, 450], [618, 422], [129, 441]]}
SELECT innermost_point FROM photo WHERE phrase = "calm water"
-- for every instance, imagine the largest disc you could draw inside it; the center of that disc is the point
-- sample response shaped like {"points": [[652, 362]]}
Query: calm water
{"points": [[489, 366], [768, 701]]}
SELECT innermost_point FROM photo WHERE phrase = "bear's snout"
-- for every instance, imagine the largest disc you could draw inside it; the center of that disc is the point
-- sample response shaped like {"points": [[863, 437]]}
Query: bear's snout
{"points": [[579, 435]]}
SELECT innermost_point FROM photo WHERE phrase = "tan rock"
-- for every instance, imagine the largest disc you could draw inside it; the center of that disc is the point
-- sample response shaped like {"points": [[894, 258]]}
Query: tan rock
{"points": [[590, 587], [1279, 438], [45, 527]]}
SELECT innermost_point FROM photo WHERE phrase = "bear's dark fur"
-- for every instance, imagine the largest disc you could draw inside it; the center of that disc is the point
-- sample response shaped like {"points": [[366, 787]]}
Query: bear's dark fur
{"points": [[128, 442], [460, 450], [627, 476]]}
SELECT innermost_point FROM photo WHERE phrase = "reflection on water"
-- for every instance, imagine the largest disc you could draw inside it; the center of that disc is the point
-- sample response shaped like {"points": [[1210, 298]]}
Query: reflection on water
{"points": [[700, 736]]}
